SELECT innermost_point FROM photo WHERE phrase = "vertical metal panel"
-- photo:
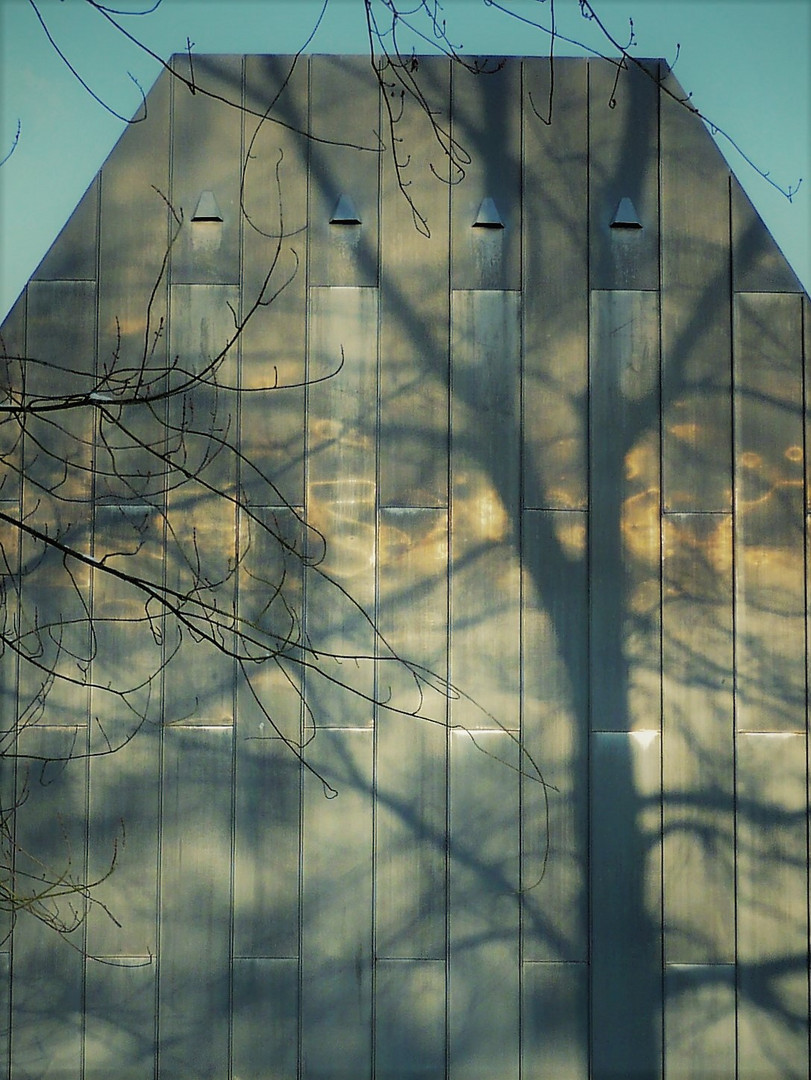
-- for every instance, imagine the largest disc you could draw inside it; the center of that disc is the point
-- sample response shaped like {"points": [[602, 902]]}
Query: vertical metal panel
{"points": [[265, 1033], [769, 523], [758, 264], [483, 1006], [555, 224], [195, 904], [337, 909], [410, 769], [555, 734], [623, 163], [5, 1007], [275, 201], [414, 298], [485, 572], [72, 256], [697, 723], [341, 441], [555, 1021], [206, 156], [772, 845], [699, 1021], [626, 972], [486, 123], [624, 525], [344, 113], [696, 313], [119, 1035], [266, 857], [409, 1019], [134, 238], [12, 374], [46, 1011], [200, 536]]}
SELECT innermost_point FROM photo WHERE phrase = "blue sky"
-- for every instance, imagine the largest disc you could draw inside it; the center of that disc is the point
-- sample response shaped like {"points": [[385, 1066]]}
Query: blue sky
{"points": [[746, 62]]}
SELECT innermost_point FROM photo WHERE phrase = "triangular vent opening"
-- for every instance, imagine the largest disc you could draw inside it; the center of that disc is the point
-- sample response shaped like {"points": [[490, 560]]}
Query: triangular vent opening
{"points": [[344, 212], [625, 216], [488, 216], [207, 209]]}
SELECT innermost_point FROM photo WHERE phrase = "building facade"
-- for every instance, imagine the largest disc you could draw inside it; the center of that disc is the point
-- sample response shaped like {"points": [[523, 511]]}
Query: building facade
{"points": [[404, 525]]}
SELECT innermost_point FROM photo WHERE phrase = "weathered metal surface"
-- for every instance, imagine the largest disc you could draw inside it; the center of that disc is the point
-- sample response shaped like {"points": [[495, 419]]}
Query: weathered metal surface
{"points": [[341, 499], [47, 973], [266, 846], [483, 990], [409, 1019], [769, 482], [274, 275], [410, 778], [206, 156], [554, 727], [696, 325], [700, 1021], [344, 159], [624, 527], [72, 256], [623, 163], [697, 733], [555, 250], [486, 128], [265, 1024], [195, 901], [485, 449], [414, 298], [555, 1021], [336, 943], [625, 870], [758, 264], [772, 905], [119, 1035]]}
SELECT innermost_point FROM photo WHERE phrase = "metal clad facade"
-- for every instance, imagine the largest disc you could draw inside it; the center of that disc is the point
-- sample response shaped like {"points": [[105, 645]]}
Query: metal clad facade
{"points": [[507, 495]]}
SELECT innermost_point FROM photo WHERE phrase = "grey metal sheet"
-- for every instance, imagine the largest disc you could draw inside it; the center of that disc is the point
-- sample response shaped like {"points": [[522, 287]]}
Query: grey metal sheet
{"points": [[483, 990], [414, 297], [265, 1021], [555, 734], [697, 732], [769, 523], [206, 149], [201, 524], [410, 782], [486, 123], [409, 1019], [625, 867], [119, 1037], [624, 523], [555, 1021], [772, 926], [758, 264], [47, 973], [133, 242], [555, 232], [699, 1021], [336, 946], [341, 492], [344, 160], [72, 255], [12, 365], [266, 852], [485, 450], [195, 902], [696, 320], [123, 826], [623, 163], [272, 343], [5, 1002]]}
